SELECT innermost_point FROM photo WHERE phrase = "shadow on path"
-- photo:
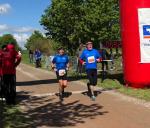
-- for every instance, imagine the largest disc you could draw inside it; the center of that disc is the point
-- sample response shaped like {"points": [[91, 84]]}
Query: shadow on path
{"points": [[47, 81], [37, 82], [44, 111]]}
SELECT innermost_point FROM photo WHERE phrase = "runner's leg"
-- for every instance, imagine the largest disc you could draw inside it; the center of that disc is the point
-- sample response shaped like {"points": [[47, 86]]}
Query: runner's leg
{"points": [[64, 78], [61, 89], [60, 86], [89, 76], [93, 82]]}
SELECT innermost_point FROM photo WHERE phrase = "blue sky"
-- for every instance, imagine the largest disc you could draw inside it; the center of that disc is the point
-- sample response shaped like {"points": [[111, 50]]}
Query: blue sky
{"points": [[21, 17]]}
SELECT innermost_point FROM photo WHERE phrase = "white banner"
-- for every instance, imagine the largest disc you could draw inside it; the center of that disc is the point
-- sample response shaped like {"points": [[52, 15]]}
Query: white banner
{"points": [[144, 28]]}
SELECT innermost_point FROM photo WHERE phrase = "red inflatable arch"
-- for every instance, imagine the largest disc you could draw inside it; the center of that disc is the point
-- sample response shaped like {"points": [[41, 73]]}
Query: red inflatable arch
{"points": [[135, 29]]}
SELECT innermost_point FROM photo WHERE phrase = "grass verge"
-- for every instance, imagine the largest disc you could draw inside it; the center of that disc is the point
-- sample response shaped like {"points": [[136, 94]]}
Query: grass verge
{"points": [[12, 117], [143, 94], [115, 82]]}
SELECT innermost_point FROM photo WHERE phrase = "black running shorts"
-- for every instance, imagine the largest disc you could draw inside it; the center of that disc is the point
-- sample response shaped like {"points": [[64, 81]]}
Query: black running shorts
{"points": [[92, 76]]}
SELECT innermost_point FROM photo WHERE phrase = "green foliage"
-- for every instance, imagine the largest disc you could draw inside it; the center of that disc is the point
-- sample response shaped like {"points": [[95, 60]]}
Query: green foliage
{"points": [[38, 41], [68, 21], [8, 39], [32, 40]]}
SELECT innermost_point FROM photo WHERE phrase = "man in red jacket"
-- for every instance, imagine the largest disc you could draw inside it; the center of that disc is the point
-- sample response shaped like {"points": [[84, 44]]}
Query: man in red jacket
{"points": [[2, 89], [10, 60]]}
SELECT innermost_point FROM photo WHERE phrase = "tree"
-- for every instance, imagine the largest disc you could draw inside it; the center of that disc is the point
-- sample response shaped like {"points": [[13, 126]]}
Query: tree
{"points": [[102, 20], [67, 21], [32, 40], [60, 21], [9, 39], [38, 41]]}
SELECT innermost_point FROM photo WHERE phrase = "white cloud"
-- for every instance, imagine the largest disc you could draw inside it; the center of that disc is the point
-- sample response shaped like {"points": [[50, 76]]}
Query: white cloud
{"points": [[13, 29], [24, 29], [21, 34], [3, 27], [4, 8], [21, 38]]}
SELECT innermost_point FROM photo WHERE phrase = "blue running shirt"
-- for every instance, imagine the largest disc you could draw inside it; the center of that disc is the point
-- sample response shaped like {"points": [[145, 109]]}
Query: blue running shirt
{"points": [[61, 61], [90, 56]]}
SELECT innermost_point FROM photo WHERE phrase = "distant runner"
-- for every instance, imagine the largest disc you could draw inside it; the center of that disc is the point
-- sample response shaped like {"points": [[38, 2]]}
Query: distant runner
{"points": [[90, 57], [60, 64]]}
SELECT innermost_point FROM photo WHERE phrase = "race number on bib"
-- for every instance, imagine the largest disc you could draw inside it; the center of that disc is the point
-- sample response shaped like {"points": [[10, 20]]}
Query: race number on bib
{"points": [[62, 72], [91, 59]]}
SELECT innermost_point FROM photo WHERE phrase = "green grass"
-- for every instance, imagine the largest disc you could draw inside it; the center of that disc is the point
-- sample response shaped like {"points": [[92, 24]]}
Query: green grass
{"points": [[12, 117], [137, 93], [25, 58], [143, 94]]}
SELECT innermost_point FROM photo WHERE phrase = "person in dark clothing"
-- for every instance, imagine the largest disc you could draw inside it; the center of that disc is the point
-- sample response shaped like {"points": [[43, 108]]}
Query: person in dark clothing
{"points": [[105, 56], [10, 60], [112, 59], [78, 54], [31, 56], [2, 89]]}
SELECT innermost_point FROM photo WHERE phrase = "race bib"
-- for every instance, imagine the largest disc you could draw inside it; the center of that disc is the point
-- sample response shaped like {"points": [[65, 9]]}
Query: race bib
{"points": [[62, 72], [91, 59]]}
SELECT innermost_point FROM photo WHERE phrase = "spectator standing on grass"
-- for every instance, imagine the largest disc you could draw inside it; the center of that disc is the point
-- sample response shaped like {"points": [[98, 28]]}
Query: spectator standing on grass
{"points": [[31, 56], [79, 52], [90, 57], [2, 87], [38, 57], [112, 59], [10, 60], [105, 56]]}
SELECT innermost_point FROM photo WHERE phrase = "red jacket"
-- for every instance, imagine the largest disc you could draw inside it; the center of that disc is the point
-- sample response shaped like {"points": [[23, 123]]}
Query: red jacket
{"points": [[10, 60], [0, 62]]}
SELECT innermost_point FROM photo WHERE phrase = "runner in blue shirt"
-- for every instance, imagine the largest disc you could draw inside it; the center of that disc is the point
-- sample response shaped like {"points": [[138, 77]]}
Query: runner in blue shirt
{"points": [[90, 57], [61, 64]]}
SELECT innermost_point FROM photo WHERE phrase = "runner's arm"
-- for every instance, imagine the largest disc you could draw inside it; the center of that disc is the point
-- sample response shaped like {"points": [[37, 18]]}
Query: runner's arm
{"points": [[81, 59], [53, 63], [99, 57], [68, 64], [18, 59]]}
